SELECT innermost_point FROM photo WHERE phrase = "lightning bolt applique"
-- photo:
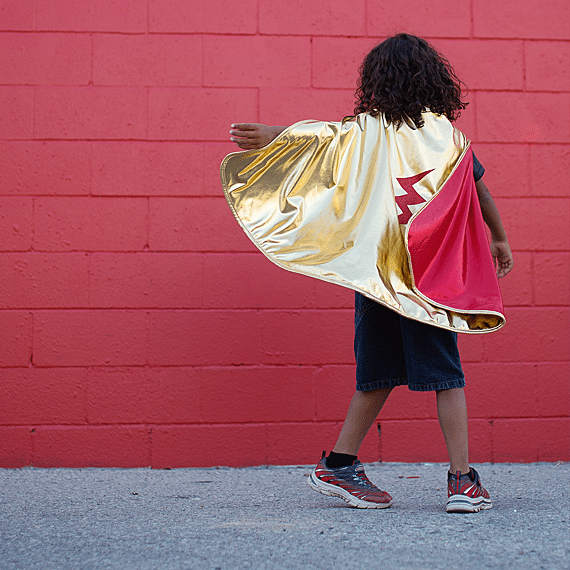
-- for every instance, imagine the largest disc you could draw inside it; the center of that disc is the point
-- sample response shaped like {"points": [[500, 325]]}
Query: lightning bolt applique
{"points": [[410, 197]]}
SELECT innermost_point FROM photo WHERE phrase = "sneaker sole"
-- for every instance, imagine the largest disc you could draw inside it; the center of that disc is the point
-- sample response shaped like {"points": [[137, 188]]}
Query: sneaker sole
{"points": [[464, 504], [333, 491]]}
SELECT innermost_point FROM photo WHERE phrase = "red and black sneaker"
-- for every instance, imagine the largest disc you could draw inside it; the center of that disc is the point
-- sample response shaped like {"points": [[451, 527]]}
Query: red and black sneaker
{"points": [[349, 483], [466, 494]]}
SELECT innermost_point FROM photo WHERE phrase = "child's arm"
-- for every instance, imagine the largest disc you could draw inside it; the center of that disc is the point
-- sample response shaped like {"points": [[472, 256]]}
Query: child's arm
{"points": [[251, 136], [500, 248]]}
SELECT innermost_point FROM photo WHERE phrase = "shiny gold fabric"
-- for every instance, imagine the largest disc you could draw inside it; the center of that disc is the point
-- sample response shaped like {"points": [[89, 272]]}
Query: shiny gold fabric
{"points": [[320, 200]]}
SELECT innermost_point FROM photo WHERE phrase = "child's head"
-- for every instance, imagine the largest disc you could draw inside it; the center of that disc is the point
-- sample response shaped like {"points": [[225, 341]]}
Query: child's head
{"points": [[404, 76]]}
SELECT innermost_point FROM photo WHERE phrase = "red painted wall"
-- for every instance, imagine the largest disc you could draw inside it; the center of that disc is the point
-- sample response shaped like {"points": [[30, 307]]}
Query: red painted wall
{"points": [[138, 325]]}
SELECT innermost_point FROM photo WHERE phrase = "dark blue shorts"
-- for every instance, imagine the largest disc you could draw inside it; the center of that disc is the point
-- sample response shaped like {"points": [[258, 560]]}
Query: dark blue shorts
{"points": [[391, 350]]}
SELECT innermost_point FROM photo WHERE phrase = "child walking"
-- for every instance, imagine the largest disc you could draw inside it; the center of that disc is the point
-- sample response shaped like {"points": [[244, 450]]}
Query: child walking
{"points": [[394, 219]]}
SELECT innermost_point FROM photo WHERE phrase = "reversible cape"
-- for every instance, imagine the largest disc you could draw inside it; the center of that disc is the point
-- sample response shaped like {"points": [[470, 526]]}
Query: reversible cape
{"points": [[390, 212]]}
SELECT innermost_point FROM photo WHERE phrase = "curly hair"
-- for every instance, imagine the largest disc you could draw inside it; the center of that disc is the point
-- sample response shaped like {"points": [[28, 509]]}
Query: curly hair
{"points": [[405, 76]]}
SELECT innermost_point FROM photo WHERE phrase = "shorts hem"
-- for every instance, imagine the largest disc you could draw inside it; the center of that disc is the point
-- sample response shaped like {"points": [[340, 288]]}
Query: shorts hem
{"points": [[436, 386], [379, 384], [393, 382]]}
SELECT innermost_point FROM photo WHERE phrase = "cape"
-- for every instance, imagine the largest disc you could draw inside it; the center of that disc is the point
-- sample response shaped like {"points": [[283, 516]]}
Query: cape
{"points": [[390, 212]]}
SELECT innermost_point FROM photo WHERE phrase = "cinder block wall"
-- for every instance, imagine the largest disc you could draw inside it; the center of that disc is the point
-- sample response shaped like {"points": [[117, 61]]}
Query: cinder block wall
{"points": [[139, 326]]}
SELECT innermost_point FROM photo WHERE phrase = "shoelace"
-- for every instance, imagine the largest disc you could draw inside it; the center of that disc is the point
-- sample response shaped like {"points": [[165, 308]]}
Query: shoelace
{"points": [[357, 476], [364, 479]]}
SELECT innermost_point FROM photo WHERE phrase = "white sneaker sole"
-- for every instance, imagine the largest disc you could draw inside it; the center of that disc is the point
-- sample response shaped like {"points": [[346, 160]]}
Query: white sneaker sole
{"points": [[334, 491], [464, 504]]}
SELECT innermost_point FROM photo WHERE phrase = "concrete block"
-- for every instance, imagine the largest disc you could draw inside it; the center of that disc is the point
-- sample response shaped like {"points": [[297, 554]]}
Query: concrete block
{"points": [[334, 386], [89, 338], [551, 278], [257, 61], [470, 347], [167, 60], [16, 334], [244, 281], [507, 168], [44, 168], [145, 280], [16, 218], [147, 169], [90, 113], [199, 114], [18, 16], [129, 16], [178, 169], [485, 64], [412, 441], [204, 338], [16, 119], [105, 446], [467, 121], [319, 18], [143, 395], [256, 394], [15, 447], [300, 443], [213, 154], [288, 106], [554, 442], [501, 390], [516, 287], [37, 280], [536, 223], [522, 117], [436, 19], [32, 396], [208, 446], [45, 59], [340, 71], [195, 224], [194, 16], [309, 337], [480, 441], [533, 333], [404, 404], [237, 280], [328, 295], [549, 167], [90, 224], [553, 389], [507, 20], [517, 440], [547, 66], [120, 168]]}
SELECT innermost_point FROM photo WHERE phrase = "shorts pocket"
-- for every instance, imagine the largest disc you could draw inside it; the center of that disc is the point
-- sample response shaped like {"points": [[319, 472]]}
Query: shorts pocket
{"points": [[362, 304]]}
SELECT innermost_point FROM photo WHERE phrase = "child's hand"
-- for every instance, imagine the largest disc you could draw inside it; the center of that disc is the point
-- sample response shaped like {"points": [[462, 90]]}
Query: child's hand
{"points": [[251, 136], [502, 257]]}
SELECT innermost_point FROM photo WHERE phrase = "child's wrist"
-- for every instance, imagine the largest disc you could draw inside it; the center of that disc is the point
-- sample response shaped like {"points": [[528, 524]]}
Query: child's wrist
{"points": [[276, 131]]}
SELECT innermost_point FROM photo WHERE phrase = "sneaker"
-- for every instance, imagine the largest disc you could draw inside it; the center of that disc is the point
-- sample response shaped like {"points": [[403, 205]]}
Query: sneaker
{"points": [[349, 483], [466, 494]]}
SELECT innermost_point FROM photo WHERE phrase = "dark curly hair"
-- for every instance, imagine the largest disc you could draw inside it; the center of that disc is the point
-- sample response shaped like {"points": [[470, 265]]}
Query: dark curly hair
{"points": [[405, 76]]}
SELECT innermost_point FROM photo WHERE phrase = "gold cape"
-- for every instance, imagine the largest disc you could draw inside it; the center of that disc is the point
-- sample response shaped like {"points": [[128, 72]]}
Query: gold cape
{"points": [[391, 213]]}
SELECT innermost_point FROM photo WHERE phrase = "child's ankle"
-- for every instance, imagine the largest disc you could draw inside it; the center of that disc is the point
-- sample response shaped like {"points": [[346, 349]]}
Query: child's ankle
{"points": [[335, 460], [462, 471]]}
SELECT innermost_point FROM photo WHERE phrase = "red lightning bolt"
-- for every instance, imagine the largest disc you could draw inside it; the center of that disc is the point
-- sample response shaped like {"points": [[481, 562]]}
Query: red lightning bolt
{"points": [[410, 197]]}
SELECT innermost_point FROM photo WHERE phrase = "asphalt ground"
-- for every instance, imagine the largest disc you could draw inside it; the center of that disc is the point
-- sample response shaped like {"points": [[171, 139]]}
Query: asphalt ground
{"points": [[269, 518]]}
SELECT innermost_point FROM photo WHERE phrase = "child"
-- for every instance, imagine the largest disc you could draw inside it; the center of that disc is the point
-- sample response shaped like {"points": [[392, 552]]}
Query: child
{"points": [[407, 96]]}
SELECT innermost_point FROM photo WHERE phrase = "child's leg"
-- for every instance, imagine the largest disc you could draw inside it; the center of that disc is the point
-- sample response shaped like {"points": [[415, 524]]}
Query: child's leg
{"points": [[452, 414], [363, 409]]}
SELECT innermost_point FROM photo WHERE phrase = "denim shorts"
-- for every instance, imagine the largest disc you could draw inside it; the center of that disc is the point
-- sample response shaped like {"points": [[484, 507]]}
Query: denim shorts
{"points": [[391, 350]]}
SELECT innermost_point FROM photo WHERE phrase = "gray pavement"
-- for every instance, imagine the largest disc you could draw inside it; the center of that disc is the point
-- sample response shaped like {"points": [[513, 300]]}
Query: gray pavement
{"points": [[269, 518]]}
